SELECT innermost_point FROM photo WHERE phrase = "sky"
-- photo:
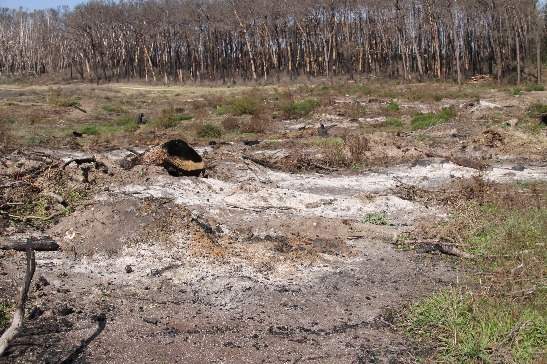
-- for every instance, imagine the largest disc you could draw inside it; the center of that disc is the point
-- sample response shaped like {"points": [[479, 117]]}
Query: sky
{"points": [[37, 4]]}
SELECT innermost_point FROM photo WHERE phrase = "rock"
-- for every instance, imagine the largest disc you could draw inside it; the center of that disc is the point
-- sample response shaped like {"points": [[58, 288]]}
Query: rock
{"points": [[151, 320], [128, 268], [518, 168]]}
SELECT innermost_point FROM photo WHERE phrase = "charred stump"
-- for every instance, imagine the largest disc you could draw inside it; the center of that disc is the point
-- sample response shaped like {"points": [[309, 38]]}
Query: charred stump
{"points": [[176, 156]]}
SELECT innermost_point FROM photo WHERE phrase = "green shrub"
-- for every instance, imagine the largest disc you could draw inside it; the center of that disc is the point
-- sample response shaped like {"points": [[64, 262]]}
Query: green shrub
{"points": [[209, 131], [516, 91], [393, 106], [298, 109], [376, 218], [423, 121], [535, 87], [244, 105]]}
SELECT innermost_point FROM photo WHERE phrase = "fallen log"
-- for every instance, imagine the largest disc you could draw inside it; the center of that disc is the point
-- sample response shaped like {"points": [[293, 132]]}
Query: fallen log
{"points": [[41, 245]]}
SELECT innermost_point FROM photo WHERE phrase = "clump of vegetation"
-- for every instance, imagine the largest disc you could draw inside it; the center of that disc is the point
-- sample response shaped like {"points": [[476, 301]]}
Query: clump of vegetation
{"points": [[230, 124], [357, 145], [170, 118], [392, 106], [124, 124], [115, 109], [57, 98], [355, 111], [501, 317], [209, 131], [516, 91], [243, 105], [376, 218], [535, 87], [394, 123], [257, 124], [536, 110], [293, 109], [423, 121], [4, 315]]}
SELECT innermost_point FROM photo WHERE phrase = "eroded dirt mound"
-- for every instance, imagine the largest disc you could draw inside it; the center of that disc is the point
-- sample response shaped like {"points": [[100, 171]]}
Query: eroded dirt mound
{"points": [[108, 226]]}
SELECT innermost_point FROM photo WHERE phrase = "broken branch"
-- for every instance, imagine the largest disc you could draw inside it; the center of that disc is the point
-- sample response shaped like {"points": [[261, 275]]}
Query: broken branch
{"points": [[41, 245], [18, 316]]}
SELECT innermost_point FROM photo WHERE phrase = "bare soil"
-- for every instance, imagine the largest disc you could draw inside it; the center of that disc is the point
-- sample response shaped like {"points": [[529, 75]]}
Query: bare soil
{"points": [[270, 259]]}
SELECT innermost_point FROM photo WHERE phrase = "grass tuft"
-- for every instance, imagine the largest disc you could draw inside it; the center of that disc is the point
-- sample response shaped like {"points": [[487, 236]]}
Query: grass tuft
{"points": [[502, 316], [376, 218], [293, 109], [424, 121], [209, 131]]}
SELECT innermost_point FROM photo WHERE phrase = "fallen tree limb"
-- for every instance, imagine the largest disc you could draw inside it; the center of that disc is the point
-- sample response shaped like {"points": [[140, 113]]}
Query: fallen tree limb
{"points": [[17, 322], [79, 108], [79, 161], [445, 248], [41, 245]]}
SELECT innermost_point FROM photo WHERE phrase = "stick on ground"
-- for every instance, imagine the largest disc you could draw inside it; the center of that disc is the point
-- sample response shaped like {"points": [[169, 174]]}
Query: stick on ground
{"points": [[18, 316]]}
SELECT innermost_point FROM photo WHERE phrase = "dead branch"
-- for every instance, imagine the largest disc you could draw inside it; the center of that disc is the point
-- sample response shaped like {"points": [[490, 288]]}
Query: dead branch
{"points": [[31, 217], [38, 244], [80, 161], [444, 248], [18, 316], [79, 108]]}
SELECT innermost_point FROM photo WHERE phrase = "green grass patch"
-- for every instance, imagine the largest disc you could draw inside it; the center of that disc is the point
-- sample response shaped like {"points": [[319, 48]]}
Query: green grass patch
{"points": [[501, 316], [536, 110], [116, 109], [516, 91], [294, 109], [57, 98], [424, 121], [5, 315], [394, 123], [209, 131], [124, 124], [535, 87], [243, 105], [376, 218], [393, 106], [469, 329]]}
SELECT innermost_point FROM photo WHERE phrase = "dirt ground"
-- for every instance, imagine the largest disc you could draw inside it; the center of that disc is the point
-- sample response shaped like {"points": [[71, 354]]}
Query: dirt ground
{"points": [[274, 258]]}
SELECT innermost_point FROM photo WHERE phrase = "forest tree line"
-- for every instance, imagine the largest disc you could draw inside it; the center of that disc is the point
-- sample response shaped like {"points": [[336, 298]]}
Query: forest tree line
{"points": [[264, 40]]}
